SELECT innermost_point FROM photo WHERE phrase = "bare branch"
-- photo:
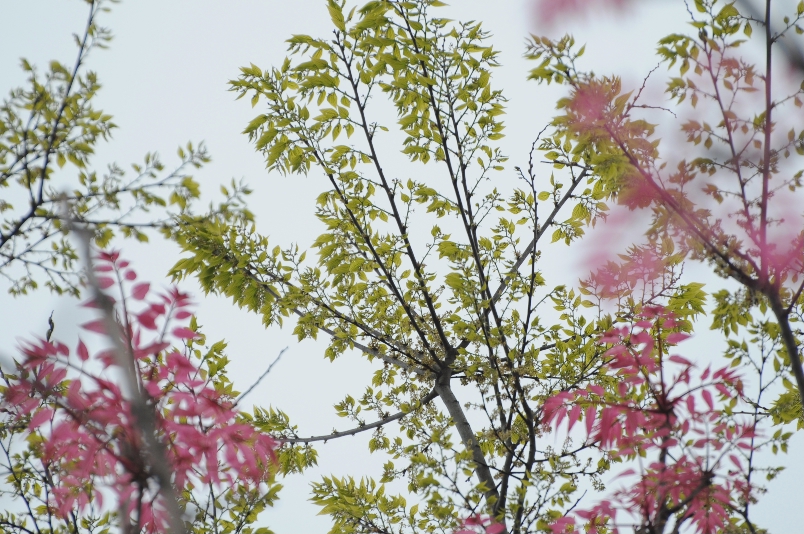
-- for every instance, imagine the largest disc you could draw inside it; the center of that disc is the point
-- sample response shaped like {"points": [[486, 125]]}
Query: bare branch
{"points": [[399, 415], [256, 383]]}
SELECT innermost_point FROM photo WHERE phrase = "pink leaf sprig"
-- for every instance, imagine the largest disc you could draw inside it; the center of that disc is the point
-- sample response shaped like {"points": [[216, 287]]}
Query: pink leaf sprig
{"points": [[90, 439], [658, 411]]}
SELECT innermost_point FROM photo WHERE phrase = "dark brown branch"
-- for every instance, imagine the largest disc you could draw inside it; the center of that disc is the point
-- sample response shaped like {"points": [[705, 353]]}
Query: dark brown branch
{"points": [[399, 415], [470, 441], [789, 339]]}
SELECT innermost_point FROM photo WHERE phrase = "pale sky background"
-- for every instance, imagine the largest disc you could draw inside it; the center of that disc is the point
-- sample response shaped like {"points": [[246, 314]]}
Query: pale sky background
{"points": [[165, 81]]}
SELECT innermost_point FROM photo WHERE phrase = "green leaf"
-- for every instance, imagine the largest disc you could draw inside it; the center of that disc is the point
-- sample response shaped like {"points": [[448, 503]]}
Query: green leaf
{"points": [[336, 15]]}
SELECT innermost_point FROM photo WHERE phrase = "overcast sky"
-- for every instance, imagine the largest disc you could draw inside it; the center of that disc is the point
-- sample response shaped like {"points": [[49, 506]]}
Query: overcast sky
{"points": [[165, 81]]}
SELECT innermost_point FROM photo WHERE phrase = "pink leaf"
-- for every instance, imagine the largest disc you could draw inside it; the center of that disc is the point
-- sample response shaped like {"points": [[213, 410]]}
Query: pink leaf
{"points": [[594, 388], [184, 333], [95, 326], [677, 337], [140, 290], [561, 413], [553, 403], [574, 416], [104, 282], [679, 359], [40, 417], [130, 275], [707, 396], [147, 319], [590, 418], [705, 374], [723, 390], [615, 350], [494, 528], [90, 303], [110, 256], [606, 427], [82, 351]]}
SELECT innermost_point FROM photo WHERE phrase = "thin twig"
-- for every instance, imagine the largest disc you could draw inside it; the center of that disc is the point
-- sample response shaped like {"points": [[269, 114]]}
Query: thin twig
{"points": [[256, 383]]}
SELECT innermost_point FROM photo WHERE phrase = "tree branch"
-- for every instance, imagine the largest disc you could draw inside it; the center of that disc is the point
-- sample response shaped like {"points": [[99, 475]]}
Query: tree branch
{"points": [[256, 382], [399, 415], [469, 440]]}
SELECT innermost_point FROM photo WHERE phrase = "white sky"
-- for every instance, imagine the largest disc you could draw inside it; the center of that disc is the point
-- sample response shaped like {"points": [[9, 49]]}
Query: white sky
{"points": [[165, 81]]}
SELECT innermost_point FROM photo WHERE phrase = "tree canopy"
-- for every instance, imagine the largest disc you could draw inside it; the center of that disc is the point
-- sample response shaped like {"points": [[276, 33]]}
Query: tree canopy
{"points": [[430, 265]]}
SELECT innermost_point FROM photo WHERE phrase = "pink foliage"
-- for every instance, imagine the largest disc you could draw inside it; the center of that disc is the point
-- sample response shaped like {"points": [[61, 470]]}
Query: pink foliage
{"points": [[480, 524], [640, 267], [663, 408], [548, 11], [91, 439], [736, 208], [590, 105]]}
